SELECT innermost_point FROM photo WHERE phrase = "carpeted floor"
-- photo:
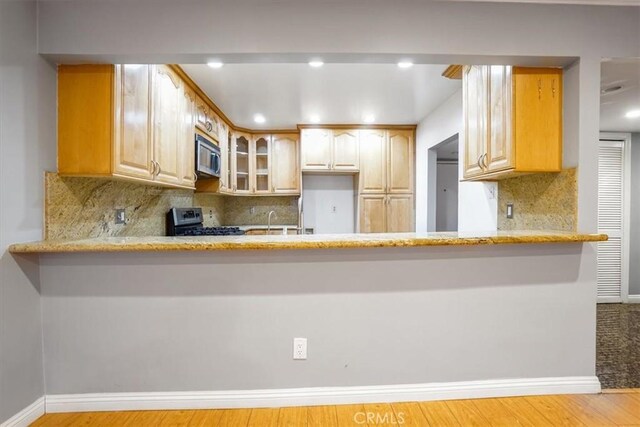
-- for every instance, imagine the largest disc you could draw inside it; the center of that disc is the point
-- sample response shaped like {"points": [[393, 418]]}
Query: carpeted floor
{"points": [[618, 345]]}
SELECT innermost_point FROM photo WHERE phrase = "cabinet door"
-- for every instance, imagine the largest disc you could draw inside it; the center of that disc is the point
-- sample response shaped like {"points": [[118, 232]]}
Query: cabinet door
{"points": [[373, 213], [133, 148], [285, 173], [203, 117], [187, 143], [401, 161], [241, 169], [167, 125], [373, 161], [225, 159], [474, 99], [346, 150], [316, 149], [537, 120], [499, 152], [260, 164], [400, 213]]}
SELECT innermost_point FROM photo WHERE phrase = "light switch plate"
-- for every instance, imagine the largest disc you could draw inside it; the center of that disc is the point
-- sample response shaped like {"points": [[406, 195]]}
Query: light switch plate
{"points": [[510, 210], [120, 216]]}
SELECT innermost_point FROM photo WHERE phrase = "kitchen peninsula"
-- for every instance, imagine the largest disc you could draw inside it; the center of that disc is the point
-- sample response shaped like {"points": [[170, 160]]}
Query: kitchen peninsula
{"points": [[325, 241]]}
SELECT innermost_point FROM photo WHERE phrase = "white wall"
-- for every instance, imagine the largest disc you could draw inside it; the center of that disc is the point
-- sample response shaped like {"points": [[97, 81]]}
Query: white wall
{"points": [[447, 197], [27, 148], [634, 255], [477, 204], [320, 195]]}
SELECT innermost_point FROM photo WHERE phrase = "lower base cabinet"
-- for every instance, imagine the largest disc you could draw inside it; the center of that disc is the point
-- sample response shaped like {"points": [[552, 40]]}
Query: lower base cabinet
{"points": [[386, 213]]}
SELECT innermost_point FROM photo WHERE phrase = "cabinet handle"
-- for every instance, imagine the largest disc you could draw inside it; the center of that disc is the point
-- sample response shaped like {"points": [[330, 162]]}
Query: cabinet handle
{"points": [[209, 126], [152, 167], [539, 88], [484, 161], [479, 160], [159, 169], [553, 87], [195, 177]]}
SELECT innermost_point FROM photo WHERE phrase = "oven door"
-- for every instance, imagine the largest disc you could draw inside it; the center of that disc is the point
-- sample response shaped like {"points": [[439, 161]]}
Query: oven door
{"points": [[207, 158]]}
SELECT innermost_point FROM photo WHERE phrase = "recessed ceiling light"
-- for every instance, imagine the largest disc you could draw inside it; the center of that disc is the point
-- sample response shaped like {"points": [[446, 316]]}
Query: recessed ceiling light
{"points": [[314, 118], [316, 63], [259, 118], [368, 118], [633, 114], [215, 64], [405, 64]]}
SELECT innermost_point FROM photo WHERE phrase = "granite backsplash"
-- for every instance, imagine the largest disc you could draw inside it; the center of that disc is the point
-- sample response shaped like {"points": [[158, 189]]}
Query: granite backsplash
{"points": [[544, 201], [78, 208]]}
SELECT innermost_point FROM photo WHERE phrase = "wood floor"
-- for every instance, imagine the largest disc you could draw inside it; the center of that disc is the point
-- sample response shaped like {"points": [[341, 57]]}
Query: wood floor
{"points": [[612, 408]]}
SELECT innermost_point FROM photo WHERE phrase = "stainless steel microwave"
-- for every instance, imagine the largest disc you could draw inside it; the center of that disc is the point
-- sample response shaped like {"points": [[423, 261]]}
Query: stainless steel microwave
{"points": [[208, 159]]}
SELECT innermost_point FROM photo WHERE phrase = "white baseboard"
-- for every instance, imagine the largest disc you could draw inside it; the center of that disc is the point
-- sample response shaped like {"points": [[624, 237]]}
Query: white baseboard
{"points": [[27, 415], [633, 299], [320, 395]]}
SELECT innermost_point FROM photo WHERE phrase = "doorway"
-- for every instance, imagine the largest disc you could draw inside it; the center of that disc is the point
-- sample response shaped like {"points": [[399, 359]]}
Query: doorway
{"points": [[447, 173]]}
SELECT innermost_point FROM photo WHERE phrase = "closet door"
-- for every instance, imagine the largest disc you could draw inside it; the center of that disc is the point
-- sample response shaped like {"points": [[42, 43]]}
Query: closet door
{"points": [[612, 268]]}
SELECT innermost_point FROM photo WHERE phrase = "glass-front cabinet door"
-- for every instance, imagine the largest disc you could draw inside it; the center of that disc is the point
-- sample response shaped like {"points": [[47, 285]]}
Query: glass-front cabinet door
{"points": [[261, 163], [241, 151]]}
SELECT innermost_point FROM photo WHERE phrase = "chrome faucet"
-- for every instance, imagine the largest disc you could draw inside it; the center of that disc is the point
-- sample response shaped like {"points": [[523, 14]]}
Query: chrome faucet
{"points": [[269, 221]]}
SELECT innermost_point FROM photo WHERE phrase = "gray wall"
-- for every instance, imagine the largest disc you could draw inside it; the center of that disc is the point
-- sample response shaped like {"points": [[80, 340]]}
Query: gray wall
{"points": [[634, 253], [27, 148], [447, 197], [226, 320]]}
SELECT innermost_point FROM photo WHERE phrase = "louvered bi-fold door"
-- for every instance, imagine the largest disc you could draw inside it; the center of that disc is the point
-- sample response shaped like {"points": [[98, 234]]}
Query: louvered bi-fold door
{"points": [[610, 219]]}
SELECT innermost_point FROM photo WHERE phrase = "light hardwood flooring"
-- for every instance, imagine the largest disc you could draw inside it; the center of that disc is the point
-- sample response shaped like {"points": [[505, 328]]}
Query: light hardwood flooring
{"points": [[612, 408]]}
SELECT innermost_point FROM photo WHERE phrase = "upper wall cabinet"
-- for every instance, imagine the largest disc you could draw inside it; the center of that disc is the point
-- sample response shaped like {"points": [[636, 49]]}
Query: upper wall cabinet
{"points": [[206, 120], [326, 150], [285, 170], [257, 165], [126, 121], [387, 161], [512, 121]]}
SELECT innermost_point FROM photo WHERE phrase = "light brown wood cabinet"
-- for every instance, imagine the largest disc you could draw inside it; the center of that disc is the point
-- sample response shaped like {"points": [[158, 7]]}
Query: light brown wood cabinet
{"points": [[326, 150], [386, 182], [259, 164], [285, 170], [387, 161], [386, 213], [206, 120], [124, 121], [512, 121], [167, 123]]}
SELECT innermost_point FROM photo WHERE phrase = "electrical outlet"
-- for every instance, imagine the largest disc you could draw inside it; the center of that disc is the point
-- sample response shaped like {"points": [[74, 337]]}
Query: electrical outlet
{"points": [[333, 209], [299, 348], [210, 213], [510, 210], [252, 210], [120, 216]]}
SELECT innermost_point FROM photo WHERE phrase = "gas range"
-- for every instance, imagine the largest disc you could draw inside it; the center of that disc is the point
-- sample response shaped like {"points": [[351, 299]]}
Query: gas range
{"points": [[188, 222]]}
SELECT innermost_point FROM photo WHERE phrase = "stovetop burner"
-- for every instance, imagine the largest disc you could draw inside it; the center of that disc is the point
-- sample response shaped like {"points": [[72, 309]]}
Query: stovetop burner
{"points": [[213, 231], [188, 222]]}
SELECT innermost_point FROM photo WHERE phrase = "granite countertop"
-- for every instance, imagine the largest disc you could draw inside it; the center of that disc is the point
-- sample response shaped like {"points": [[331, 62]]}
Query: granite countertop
{"points": [[305, 241]]}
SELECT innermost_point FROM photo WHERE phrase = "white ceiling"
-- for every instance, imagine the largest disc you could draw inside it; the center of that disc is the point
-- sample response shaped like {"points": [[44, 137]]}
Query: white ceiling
{"points": [[290, 94], [614, 106]]}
